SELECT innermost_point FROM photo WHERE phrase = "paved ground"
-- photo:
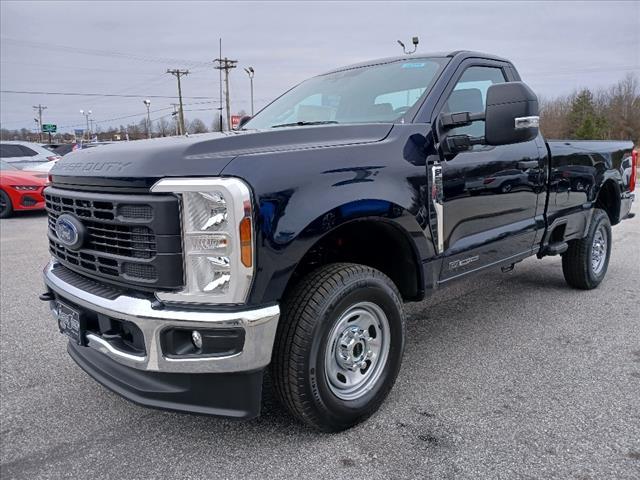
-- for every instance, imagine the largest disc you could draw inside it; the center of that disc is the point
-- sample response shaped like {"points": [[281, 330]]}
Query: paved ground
{"points": [[505, 376]]}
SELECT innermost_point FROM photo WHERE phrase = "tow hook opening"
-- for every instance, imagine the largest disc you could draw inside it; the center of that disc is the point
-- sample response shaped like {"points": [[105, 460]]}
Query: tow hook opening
{"points": [[202, 342]]}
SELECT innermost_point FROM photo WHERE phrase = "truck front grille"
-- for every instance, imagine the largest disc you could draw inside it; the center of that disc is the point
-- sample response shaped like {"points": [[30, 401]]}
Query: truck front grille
{"points": [[128, 239]]}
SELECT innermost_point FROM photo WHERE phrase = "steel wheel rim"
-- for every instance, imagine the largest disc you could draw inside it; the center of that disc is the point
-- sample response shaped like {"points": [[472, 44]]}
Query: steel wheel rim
{"points": [[599, 250], [357, 351]]}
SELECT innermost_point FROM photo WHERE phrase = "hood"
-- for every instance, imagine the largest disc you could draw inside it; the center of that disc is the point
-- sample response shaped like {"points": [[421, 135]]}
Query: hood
{"points": [[201, 155], [17, 177]]}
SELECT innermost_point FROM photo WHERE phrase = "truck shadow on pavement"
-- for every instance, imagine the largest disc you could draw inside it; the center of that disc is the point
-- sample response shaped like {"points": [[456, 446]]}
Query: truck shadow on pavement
{"points": [[434, 329]]}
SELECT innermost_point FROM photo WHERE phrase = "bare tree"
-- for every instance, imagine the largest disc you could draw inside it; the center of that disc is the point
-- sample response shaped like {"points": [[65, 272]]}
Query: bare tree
{"points": [[163, 127], [197, 126]]}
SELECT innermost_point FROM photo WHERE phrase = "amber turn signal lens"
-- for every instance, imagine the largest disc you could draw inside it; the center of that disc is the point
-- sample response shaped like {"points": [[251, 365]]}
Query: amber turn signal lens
{"points": [[246, 254]]}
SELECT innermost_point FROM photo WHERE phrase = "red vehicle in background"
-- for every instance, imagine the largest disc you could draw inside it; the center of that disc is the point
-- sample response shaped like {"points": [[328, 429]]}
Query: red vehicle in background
{"points": [[20, 189]]}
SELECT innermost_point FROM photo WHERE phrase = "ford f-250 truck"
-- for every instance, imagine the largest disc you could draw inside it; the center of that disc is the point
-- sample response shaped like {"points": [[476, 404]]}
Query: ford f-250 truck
{"points": [[183, 267]]}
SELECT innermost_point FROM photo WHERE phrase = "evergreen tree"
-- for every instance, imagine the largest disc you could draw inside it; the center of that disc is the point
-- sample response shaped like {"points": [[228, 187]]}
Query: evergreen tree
{"points": [[584, 122]]}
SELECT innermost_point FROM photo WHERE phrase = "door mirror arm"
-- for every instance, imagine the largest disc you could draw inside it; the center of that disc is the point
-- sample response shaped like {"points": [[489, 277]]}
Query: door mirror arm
{"points": [[459, 143], [449, 121]]}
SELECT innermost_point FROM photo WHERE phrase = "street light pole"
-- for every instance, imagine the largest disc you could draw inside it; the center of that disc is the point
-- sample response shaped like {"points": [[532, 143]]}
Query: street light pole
{"points": [[147, 104], [251, 73], [87, 114]]}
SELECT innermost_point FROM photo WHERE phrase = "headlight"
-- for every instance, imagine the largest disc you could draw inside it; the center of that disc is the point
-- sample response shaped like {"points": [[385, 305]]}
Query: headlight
{"points": [[217, 238], [26, 188]]}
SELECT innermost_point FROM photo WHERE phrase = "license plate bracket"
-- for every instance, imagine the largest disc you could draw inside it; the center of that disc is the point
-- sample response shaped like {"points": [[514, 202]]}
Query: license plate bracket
{"points": [[70, 322]]}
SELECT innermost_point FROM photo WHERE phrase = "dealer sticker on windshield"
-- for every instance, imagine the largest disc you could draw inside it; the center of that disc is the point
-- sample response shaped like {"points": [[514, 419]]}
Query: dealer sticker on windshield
{"points": [[413, 65]]}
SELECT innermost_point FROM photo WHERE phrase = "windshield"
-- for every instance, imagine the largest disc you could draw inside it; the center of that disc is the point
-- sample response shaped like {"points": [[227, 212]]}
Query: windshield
{"points": [[378, 93]]}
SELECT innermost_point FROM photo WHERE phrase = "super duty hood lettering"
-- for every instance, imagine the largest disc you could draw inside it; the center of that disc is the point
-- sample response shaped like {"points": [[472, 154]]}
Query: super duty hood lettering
{"points": [[103, 167]]}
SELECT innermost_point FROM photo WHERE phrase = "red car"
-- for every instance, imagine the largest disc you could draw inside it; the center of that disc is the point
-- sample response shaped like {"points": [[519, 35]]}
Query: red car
{"points": [[20, 190]]}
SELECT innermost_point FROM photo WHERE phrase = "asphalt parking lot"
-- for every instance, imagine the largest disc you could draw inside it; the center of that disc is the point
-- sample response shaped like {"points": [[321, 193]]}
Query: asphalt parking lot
{"points": [[505, 376]]}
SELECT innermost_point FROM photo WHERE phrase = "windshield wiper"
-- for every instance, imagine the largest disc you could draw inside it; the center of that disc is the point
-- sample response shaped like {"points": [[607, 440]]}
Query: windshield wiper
{"points": [[302, 124]]}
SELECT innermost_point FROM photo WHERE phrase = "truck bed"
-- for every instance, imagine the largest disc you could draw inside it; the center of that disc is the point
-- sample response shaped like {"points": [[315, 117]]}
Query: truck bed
{"points": [[578, 170]]}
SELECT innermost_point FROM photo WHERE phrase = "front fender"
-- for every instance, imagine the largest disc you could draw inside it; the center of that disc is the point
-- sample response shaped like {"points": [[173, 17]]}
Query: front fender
{"points": [[303, 195]]}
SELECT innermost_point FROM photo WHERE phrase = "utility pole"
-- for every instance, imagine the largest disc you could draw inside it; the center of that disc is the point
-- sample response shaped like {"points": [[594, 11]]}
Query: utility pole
{"points": [[40, 108], [174, 115], [220, 83], [37, 126], [179, 73], [226, 65]]}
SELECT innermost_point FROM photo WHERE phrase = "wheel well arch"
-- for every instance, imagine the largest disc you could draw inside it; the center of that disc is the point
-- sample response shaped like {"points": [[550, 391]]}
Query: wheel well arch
{"points": [[373, 241], [608, 199]]}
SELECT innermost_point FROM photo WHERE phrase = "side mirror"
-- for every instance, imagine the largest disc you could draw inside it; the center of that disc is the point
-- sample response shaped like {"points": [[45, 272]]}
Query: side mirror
{"points": [[511, 114], [243, 121]]}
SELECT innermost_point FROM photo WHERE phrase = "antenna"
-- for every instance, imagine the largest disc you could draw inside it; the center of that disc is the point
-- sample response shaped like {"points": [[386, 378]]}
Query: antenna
{"points": [[415, 41]]}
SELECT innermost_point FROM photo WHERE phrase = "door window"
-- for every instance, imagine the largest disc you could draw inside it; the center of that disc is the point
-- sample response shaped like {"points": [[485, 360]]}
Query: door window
{"points": [[27, 152], [470, 95]]}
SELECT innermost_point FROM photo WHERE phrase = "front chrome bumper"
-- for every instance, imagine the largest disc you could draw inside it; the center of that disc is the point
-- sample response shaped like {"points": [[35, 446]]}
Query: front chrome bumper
{"points": [[259, 325]]}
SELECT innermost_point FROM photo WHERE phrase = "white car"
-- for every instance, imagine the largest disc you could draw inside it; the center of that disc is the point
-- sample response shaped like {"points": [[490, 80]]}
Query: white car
{"points": [[27, 155]]}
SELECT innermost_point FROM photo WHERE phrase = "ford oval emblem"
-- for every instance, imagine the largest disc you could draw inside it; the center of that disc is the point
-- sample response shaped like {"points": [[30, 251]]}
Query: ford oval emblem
{"points": [[69, 231]]}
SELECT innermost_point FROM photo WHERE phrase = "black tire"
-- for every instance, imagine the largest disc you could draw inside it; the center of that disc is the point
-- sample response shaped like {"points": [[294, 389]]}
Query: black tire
{"points": [[506, 188], [311, 313], [6, 209], [577, 261]]}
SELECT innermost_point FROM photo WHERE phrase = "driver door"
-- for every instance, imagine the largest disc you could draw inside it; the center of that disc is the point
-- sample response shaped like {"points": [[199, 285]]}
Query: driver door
{"points": [[489, 193]]}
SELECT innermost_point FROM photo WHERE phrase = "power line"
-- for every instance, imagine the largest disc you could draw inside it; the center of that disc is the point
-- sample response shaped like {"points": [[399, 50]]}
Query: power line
{"points": [[100, 53], [68, 66], [118, 118], [77, 94]]}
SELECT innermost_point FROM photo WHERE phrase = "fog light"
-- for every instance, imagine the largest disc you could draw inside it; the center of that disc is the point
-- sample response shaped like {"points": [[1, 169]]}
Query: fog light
{"points": [[196, 338]]}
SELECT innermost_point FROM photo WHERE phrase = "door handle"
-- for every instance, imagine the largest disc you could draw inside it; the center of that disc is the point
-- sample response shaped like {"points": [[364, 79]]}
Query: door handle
{"points": [[525, 165]]}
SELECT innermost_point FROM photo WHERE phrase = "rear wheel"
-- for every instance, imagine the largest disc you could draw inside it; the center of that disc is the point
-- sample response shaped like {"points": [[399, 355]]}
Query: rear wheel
{"points": [[339, 345], [585, 262], [6, 209]]}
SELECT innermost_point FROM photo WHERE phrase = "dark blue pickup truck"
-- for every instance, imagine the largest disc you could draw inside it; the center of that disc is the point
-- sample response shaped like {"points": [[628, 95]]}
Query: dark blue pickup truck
{"points": [[183, 268]]}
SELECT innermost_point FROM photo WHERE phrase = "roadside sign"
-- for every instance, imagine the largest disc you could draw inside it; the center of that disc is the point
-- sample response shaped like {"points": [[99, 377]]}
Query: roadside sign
{"points": [[78, 132], [235, 121], [49, 128]]}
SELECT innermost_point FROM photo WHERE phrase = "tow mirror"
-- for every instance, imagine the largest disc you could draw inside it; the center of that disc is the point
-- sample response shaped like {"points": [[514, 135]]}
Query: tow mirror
{"points": [[510, 116]]}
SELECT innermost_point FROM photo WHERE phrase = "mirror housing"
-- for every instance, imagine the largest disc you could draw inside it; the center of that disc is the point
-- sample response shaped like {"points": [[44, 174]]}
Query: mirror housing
{"points": [[511, 114]]}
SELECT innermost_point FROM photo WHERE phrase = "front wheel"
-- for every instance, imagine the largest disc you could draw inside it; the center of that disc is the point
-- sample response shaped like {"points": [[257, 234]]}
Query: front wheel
{"points": [[585, 262], [6, 209], [339, 345]]}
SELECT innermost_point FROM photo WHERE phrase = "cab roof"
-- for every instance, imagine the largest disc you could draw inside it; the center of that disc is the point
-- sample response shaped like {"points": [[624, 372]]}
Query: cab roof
{"points": [[460, 54]]}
